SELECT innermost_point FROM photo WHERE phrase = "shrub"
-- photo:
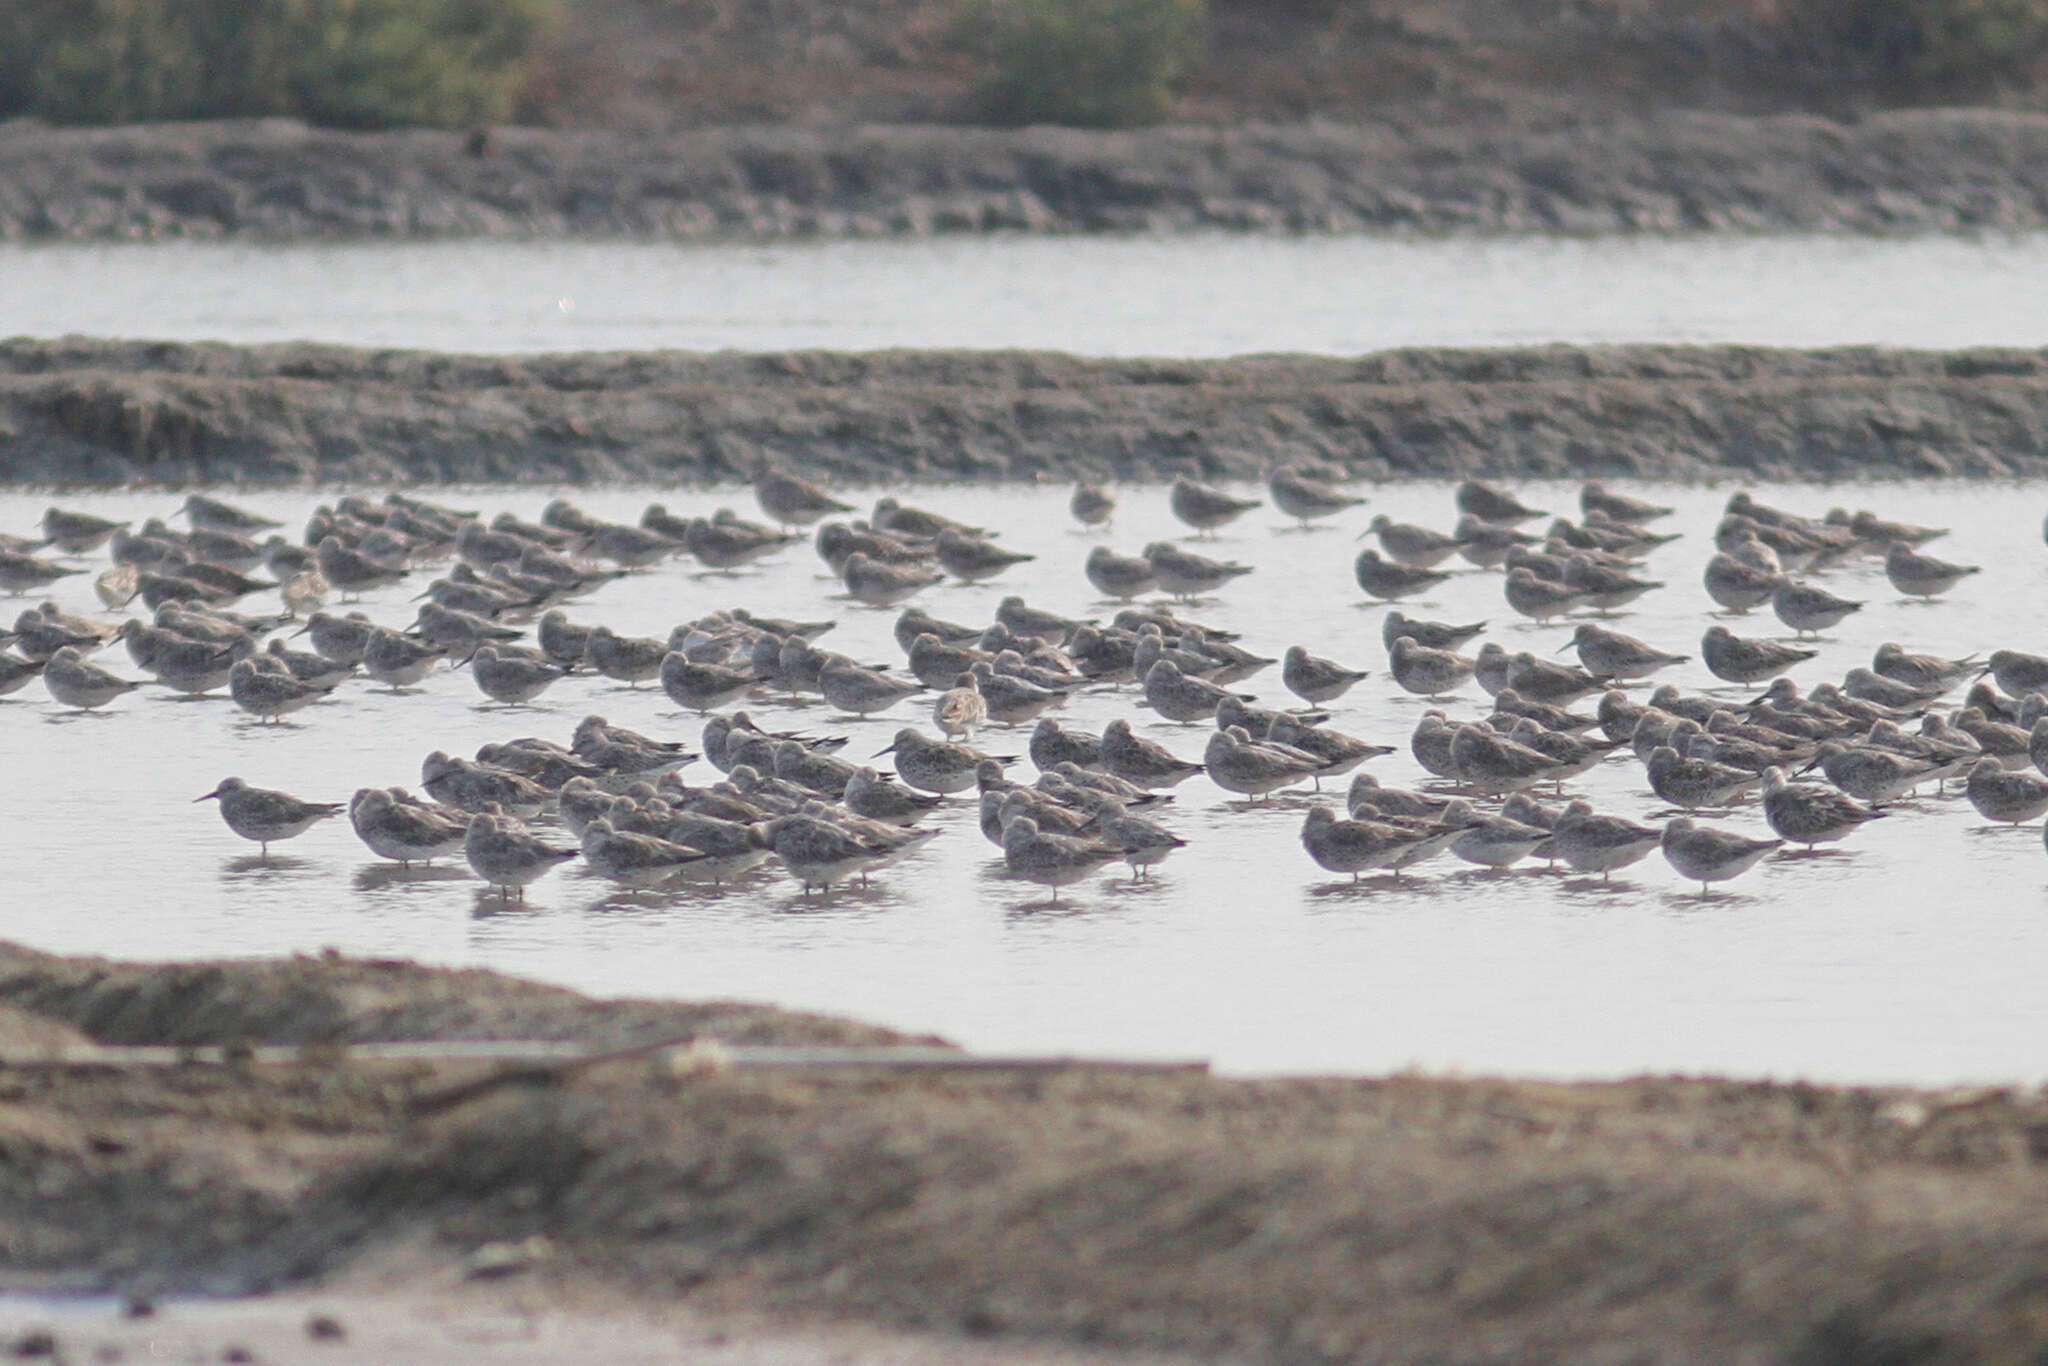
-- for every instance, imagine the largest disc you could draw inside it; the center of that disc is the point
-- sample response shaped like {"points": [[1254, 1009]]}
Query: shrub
{"points": [[1089, 63], [1919, 48], [348, 63]]}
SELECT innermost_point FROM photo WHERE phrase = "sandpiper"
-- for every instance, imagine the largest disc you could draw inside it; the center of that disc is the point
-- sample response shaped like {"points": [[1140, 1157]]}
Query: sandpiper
{"points": [[961, 709], [273, 692], [636, 860], [1314, 679], [405, 832], [1808, 608], [1425, 671], [1146, 763], [1204, 507], [1487, 762], [1691, 784], [1436, 635], [1408, 544], [936, 765], [703, 687], [1388, 580], [1143, 843], [1873, 775], [1705, 855], [793, 501], [1304, 497], [472, 787], [2004, 795], [1491, 504], [76, 682], [1809, 814], [1091, 504], [1590, 843], [397, 661], [884, 585], [1595, 497], [1121, 577], [1923, 576], [1737, 586], [1496, 841], [1354, 846], [1187, 575], [77, 533], [1925, 670], [1053, 744], [1741, 660], [1610, 654], [972, 559], [1177, 697], [266, 816], [857, 691], [506, 856], [1052, 860], [512, 679], [215, 515], [23, 573], [1540, 599]]}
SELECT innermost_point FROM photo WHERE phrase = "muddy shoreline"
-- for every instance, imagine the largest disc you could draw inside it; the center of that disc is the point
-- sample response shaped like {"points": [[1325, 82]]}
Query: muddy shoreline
{"points": [[85, 412], [1594, 172], [1397, 1219]]}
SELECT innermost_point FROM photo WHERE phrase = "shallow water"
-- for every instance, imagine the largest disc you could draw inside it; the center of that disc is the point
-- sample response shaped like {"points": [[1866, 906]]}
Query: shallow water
{"points": [[1914, 953], [1198, 295]]}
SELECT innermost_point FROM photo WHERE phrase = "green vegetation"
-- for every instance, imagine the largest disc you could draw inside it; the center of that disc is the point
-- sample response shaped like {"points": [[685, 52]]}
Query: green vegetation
{"points": [[1088, 63], [345, 63], [1921, 48]]}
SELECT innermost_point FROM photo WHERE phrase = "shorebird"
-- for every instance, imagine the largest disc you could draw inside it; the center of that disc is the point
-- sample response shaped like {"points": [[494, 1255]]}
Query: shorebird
{"points": [[1491, 504], [857, 691], [1807, 608], [1415, 546], [1177, 697], [273, 692], [634, 859], [730, 543], [819, 853], [341, 639], [1923, 576], [405, 832], [936, 765], [1925, 671], [1544, 681], [1427, 672], [1314, 679], [508, 857], [1590, 843], [1809, 814], [1705, 855], [1540, 599], [1873, 775], [884, 585], [1739, 660], [350, 570], [631, 660], [2003, 795], [793, 501], [1052, 860], [76, 682], [1435, 635], [473, 787], [2019, 674], [513, 679], [266, 816], [1487, 762], [1354, 846], [1610, 654], [1488, 544], [24, 573], [215, 515], [869, 794], [77, 533], [1606, 588], [1204, 507], [1091, 504], [1388, 580], [1594, 497], [703, 687], [1121, 577], [1187, 575], [1496, 841], [1695, 783], [1143, 762], [1305, 498], [1737, 586], [961, 709], [397, 661], [972, 559], [1053, 744]]}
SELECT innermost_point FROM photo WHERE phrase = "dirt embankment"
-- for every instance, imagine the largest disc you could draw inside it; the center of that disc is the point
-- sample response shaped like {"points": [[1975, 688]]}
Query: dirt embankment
{"points": [[1674, 171], [91, 412], [1405, 1219]]}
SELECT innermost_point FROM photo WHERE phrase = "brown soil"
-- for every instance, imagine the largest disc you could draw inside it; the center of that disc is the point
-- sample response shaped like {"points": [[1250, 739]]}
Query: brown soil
{"points": [[1400, 1219]]}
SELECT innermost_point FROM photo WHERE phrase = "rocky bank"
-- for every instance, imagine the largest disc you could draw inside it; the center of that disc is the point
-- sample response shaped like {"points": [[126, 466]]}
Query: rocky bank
{"points": [[1671, 171], [86, 412]]}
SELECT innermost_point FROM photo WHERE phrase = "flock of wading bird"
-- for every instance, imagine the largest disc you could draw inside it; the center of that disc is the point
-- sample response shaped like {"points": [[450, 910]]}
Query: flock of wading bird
{"points": [[623, 799]]}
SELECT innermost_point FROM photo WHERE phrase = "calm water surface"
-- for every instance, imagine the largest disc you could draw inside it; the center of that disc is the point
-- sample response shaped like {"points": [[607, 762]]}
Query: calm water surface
{"points": [[1916, 953], [1205, 295]]}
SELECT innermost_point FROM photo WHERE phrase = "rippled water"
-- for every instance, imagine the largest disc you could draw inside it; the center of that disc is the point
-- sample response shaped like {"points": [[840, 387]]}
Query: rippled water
{"points": [[1914, 953], [1202, 295]]}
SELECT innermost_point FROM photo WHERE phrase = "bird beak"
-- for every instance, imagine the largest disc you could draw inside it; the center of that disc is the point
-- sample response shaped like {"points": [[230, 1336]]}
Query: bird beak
{"points": [[208, 797], [880, 752], [1566, 646], [303, 629]]}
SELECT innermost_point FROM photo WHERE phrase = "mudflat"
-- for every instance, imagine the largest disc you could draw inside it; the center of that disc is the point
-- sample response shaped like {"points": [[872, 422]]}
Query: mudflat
{"points": [[1088, 1206], [88, 412]]}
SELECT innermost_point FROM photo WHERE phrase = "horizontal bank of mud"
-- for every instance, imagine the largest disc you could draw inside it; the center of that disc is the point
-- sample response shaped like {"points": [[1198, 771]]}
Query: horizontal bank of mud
{"points": [[87, 412], [1914, 170], [1405, 1219]]}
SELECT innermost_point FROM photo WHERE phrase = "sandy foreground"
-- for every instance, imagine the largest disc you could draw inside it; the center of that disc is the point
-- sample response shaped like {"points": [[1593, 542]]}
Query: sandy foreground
{"points": [[689, 1204]]}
